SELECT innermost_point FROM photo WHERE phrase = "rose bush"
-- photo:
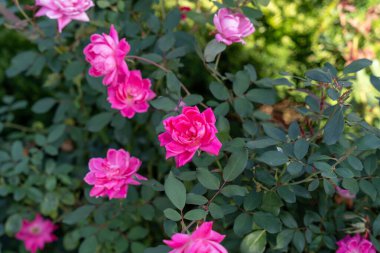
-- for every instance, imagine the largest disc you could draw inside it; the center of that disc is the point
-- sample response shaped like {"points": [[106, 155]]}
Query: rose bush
{"points": [[84, 168]]}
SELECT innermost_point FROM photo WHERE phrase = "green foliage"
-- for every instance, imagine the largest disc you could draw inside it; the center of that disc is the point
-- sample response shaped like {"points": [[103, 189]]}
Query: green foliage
{"points": [[271, 188]]}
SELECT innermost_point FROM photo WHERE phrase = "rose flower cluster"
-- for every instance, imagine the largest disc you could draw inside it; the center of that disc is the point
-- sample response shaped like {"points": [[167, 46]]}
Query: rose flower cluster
{"points": [[186, 134]]}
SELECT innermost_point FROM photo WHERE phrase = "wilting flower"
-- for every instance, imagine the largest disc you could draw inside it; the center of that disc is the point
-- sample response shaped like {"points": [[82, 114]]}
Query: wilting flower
{"points": [[112, 175], [344, 193], [36, 233], [203, 240], [132, 95], [64, 10], [186, 133], [232, 26], [106, 55], [355, 244]]}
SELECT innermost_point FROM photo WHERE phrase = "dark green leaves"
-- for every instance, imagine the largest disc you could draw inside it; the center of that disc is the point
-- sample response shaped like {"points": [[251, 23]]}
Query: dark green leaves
{"points": [[356, 66], [78, 215], [301, 147], [207, 179], [254, 242], [273, 158], [175, 191], [262, 96], [334, 127], [219, 91], [173, 84], [43, 105], [163, 103], [241, 83], [212, 49], [235, 165], [268, 221], [99, 121], [319, 75]]}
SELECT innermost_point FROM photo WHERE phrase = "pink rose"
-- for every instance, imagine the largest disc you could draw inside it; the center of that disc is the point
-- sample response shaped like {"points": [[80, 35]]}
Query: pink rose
{"points": [[203, 240], [232, 26], [64, 10], [36, 233], [111, 176], [132, 95], [355, 244], [106, 55], [344, 193], [188, 132]]}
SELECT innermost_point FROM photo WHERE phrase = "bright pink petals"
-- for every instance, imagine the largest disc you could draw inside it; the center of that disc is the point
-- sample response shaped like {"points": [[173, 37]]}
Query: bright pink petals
{"points": [[106, 55], [189, 132], [232, 26], [64, 10], [355, 244], [36, 233], [344, 193], [132, 95], [112, 175], [203, 240]]}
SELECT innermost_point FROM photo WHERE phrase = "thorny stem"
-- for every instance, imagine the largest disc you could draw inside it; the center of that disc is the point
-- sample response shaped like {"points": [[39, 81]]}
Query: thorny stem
{"points": [[28, 19], [163, 69]]}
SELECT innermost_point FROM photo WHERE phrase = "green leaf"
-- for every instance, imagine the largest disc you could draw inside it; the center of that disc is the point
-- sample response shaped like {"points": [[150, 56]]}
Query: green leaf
{"points": [[172, 214], [368, 189], [299, 241], [234, 190], [242, 224], [195, 199], [295, 168], [344, 172], [21, 62], [253, 200], [268, 221], [193, 99], [376, 226], [287, 194], [356, 66], [207, 179], [273, 158], [89, 245], [271, 203], [351, 185], [43, 105], [334, 127], [56, 133], [175, 191], [216, 211], [13, 224], [235, 165], [284, 238], [288, 220], [99, 121], [262, 96], [173, 84], [241, 83], [17, 151], [355, 163], [166, 42], [212, 49], [319, 75], [274, 132], [375, 82], [172, 19], [196, 214], [313, 185], [78, 215], [163, 103], [49, 204], [243, 107], [301, 147], [254, 242], [219, 91], [262, 143]]}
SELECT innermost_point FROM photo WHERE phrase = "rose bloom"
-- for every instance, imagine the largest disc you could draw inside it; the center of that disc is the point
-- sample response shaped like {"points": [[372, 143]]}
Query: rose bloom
{"points": [[232, 26], [106, 55], [36, 233], [344, 193], [203, 240], [188, 132], [64, 10], [112, 175], [184, 10], [132, 95], [355, 244]]}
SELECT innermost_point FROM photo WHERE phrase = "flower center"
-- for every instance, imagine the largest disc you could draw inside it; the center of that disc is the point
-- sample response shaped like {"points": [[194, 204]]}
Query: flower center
{"points": [[35, 230]]}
